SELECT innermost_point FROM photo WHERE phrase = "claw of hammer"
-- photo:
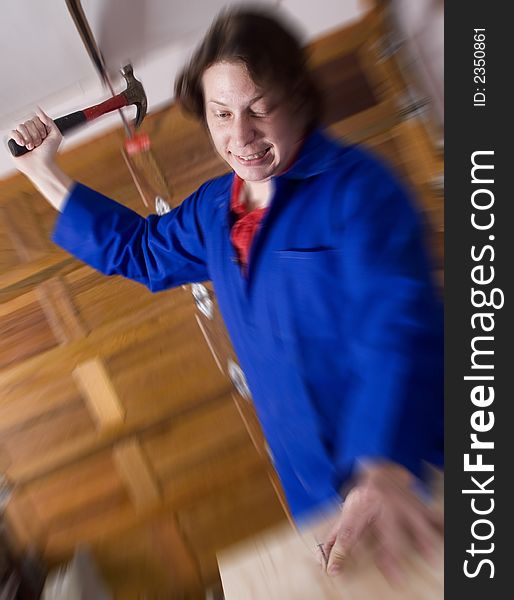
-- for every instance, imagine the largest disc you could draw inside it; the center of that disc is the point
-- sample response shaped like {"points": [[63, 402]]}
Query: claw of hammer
{"points": [[135, 94]]}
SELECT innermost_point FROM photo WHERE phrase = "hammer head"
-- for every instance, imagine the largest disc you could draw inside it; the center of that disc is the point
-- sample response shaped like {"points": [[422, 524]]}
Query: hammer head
{"points": [[135, 94]]}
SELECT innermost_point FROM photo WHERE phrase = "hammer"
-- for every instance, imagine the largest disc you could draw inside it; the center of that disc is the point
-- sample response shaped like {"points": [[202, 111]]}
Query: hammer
{"points": [[134, 94]]}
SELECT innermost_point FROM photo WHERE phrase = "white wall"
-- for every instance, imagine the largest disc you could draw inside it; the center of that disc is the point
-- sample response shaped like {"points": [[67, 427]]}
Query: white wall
{"points": [[321, 16]]}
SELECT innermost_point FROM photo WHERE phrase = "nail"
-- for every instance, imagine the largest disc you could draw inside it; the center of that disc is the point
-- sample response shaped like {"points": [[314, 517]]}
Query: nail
{"points": [[323, 554]]}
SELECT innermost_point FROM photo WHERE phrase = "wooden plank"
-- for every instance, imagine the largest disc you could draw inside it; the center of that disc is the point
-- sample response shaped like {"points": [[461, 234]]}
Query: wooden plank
{"points": [[60, 311], [19, 525], [170, 543], [46, 434], [342, 41], [173, 375], [40, 466], [137, 474], [153, 560], [24, 229], [9, 258], [27, 530], [213, 347], [109, 339], [282, 564], [100, 300], [233, 512], [194, 436], [61, 542], [86, 445], [24, 277], [47, 395], [192, 485], [101, 397], [249, 417], [365, 124], [18, 303], [74, 490], [25, 332], [346, 89], [219, 471]]}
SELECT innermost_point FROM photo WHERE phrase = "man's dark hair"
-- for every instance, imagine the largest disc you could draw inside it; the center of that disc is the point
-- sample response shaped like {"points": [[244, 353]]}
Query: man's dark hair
{"points": [[270, 50]]}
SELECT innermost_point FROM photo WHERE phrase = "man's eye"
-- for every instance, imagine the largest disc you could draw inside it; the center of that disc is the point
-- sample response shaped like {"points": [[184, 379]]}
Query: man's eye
{"points": [[260, 113], [222, 115]]}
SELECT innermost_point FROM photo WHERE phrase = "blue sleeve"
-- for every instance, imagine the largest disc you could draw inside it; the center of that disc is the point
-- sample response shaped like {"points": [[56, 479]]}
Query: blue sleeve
{"points": [[159, 252], [396, 329]]}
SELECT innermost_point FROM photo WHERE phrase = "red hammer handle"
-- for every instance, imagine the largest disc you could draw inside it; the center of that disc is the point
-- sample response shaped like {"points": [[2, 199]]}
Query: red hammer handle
{"points": [[114, 103]]}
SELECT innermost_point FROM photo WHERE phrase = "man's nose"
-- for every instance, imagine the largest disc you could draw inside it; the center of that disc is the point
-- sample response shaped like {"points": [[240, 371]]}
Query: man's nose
{"points": [[244, 132]]}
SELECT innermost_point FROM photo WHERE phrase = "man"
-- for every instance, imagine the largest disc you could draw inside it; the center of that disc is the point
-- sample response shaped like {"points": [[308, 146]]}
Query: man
{"points": [[315, 254]]}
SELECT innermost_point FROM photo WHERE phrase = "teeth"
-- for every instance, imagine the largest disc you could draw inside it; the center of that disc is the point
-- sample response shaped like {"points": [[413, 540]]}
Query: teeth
{"points": [[254, 156]]}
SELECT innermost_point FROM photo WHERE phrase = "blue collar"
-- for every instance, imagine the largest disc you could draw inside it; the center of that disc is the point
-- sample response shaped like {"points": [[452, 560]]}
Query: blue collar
{"points": [[318, 154]]}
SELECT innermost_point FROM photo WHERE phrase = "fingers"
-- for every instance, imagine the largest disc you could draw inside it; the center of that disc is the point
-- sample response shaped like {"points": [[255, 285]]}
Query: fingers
{"points": [[32, 132], [390, 566], [41, 127], [360, 509], [35, 133], [47, 121], [43, 116], [22, 135], [393, 547], [425, 531], [17, 136], [385, 504], [436, 517], [398, 532]]}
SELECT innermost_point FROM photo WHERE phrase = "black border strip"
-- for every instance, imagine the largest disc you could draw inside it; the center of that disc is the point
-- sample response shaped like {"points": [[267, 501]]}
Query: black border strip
{"points": [[470, 129]]}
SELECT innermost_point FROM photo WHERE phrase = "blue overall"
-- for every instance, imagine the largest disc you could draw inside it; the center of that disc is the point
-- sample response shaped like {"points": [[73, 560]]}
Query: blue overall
{"points": [[337, 324]]}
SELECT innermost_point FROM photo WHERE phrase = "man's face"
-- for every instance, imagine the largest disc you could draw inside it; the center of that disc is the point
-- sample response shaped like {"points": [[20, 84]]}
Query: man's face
{"points": [[252, 129]]}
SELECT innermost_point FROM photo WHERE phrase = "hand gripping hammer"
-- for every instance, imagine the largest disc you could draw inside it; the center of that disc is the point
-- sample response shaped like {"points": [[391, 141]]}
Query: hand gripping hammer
{"points": [[134, 94]]}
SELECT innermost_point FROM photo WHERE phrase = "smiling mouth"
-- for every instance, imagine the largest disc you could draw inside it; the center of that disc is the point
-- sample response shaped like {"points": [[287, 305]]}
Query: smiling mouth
{"points": [[251, 157]]}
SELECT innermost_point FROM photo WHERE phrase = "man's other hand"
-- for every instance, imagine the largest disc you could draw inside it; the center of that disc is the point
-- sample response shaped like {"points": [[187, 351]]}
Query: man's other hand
{"points": [[384, 503]]}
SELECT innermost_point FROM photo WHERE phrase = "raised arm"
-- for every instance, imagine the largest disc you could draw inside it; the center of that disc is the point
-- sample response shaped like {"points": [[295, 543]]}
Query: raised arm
{"points": [[159, 252]]}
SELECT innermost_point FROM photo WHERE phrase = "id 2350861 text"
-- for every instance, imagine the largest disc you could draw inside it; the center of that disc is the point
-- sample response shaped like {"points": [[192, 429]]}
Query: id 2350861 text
{"points": [[479, 67]]}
